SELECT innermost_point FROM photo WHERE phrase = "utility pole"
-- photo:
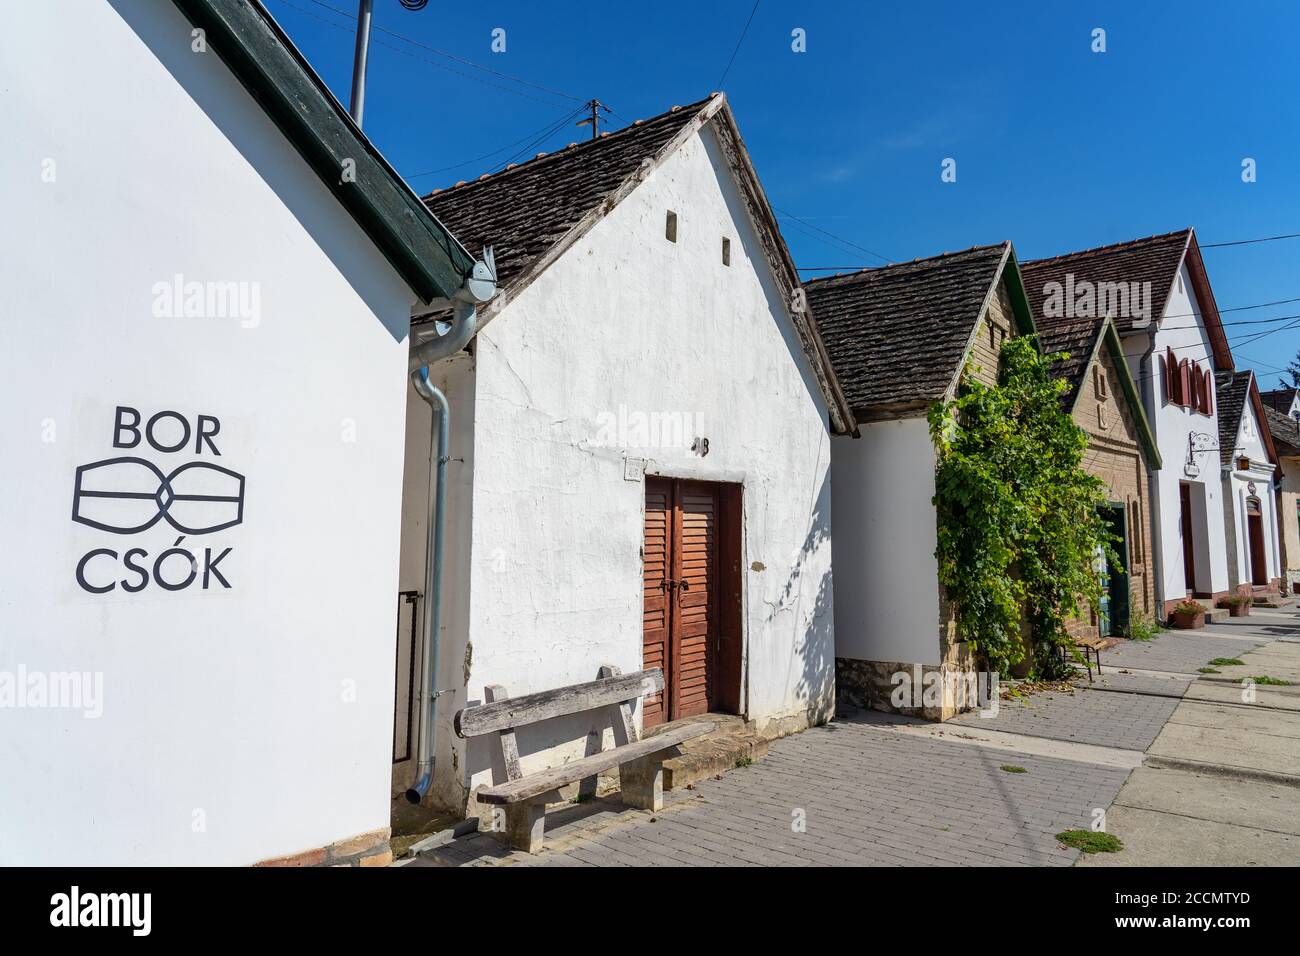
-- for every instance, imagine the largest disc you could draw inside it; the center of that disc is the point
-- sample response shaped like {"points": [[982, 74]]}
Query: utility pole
{"points": [[594, 119], [358, 102]]}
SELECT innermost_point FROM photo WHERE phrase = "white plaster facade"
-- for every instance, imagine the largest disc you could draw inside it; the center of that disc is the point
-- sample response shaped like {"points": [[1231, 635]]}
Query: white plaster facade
{"points": [[1188, 445], [547, 488], [234, 724], [885, 541], [1240, 485]]}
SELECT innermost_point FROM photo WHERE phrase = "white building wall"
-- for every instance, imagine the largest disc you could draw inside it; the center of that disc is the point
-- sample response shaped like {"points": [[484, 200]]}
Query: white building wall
{"points": [[887, 599], [1183, 330], [1238, 484], [237, 724], [627, 323]]}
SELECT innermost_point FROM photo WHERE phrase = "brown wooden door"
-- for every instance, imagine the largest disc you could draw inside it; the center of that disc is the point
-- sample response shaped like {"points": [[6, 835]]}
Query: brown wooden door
{"points": [[1189, 553], [655, 559], [682, 595], [1255, 531]]}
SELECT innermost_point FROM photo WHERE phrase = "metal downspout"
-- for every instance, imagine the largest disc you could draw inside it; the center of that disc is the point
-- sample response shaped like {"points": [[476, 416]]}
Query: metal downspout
{"points": [[477, 289], [431, 639]]}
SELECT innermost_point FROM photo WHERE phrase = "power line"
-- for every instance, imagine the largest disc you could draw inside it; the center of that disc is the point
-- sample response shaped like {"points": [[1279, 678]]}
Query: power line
{"points": [[443, 53], [839, 239], [545, 131], [1247, 242], [738, 44]]}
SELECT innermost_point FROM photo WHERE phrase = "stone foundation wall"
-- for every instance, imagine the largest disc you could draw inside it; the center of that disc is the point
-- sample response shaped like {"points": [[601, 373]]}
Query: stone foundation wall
{"points": [[873, 685], [364, 849]]}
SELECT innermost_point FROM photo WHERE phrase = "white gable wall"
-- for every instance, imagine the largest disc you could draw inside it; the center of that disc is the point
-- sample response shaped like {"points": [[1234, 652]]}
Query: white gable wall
{"points": [[237, 724], [628, 323], [1175, 427], [1256, 481]]}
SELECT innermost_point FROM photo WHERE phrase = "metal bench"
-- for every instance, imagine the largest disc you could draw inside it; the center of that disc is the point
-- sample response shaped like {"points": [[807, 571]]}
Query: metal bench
{"points": [[640, 760]]}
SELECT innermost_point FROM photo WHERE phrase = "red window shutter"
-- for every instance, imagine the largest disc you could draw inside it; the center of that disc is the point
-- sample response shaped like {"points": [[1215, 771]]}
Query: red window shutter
{"points": [[1209, 392], [1171, 376], [1184, 384]]}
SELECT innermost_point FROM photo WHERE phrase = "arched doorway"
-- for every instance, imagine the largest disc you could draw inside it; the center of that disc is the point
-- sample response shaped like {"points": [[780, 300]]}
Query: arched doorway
{"points": [[1255, 537]]}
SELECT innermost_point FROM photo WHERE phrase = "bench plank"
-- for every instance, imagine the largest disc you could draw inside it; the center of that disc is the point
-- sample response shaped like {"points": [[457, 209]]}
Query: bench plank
{"points": [[545, 781], [531, 708]]}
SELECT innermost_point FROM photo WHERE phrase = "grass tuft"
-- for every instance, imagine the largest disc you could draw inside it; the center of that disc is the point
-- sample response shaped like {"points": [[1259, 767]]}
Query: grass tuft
{"points": [[1012, 768], [1091, 842], [1226, 662], [1274, 681]]}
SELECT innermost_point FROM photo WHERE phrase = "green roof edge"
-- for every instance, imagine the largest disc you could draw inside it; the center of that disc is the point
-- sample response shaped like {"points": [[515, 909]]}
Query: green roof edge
{"points": [[252, 45]]}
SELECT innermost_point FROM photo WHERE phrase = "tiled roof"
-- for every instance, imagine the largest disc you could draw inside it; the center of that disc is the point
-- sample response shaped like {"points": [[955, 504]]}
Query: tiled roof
{"points": [[1231, 389], [897, 334], [1078, 339], [1153, 259], [525, 209], [1285, 431], [1279, 400]]}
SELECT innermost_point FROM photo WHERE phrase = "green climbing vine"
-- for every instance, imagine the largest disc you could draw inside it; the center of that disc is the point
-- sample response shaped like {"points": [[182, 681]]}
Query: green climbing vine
{"points": [[1019, 525]]}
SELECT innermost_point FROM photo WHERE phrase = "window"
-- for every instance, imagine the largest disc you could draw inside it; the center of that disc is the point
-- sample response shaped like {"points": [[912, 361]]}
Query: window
{"points": [[1099, 381], [670, 228], [726, 251]]}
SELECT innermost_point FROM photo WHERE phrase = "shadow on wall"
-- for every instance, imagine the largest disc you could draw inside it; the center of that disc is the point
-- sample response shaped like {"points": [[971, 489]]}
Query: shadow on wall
{"points": [[813, 641], [234, 112]]}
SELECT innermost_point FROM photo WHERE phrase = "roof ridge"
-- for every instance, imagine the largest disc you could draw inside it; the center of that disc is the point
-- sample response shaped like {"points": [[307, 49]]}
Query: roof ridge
{"points": [[1109, 246], [927, 260], [572, 149]]}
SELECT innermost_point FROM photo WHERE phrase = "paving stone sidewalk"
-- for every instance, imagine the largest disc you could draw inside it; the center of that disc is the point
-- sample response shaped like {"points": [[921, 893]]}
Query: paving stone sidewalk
{"points": [[858, 793], [867, 797], [1182, 652], [1101, 716]]}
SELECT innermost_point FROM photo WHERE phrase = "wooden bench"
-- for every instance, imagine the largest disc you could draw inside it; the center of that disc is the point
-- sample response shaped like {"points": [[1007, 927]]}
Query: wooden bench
{"points": [[640, 760]]}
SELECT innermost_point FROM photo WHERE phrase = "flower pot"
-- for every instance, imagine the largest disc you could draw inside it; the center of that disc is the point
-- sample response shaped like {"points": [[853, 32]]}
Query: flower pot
{"points": [[1189, 620], [1238, 610]]}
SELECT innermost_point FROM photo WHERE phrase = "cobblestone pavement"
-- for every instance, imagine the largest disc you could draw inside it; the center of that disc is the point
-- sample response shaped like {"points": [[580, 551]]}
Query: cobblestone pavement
{"points": [[1100, 715], [868, 797]]}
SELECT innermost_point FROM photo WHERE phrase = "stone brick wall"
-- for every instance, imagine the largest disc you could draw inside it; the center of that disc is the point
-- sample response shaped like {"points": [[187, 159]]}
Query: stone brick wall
{"points": [[996, 327], [1115, 457]]}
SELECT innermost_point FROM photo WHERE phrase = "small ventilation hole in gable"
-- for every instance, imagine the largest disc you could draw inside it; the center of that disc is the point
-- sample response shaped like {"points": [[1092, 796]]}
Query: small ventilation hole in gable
{"points": [[726, 251], [670, 228]]}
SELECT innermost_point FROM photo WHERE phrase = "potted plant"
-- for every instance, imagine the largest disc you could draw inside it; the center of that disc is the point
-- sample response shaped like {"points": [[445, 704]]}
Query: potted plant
{"points": [[1238, 605], [1189, 615]]}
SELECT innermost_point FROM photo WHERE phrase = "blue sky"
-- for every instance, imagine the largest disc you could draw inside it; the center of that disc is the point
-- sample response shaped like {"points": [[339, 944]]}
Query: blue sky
{"points": [[1057, 147]]}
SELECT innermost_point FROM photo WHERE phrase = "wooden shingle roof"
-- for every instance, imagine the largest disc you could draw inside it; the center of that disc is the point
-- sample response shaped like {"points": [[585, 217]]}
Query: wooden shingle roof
{"points": [[531, 214], [524, 210], [1077, 338], [1285, 431], [1233, 391], [897, 334]]}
